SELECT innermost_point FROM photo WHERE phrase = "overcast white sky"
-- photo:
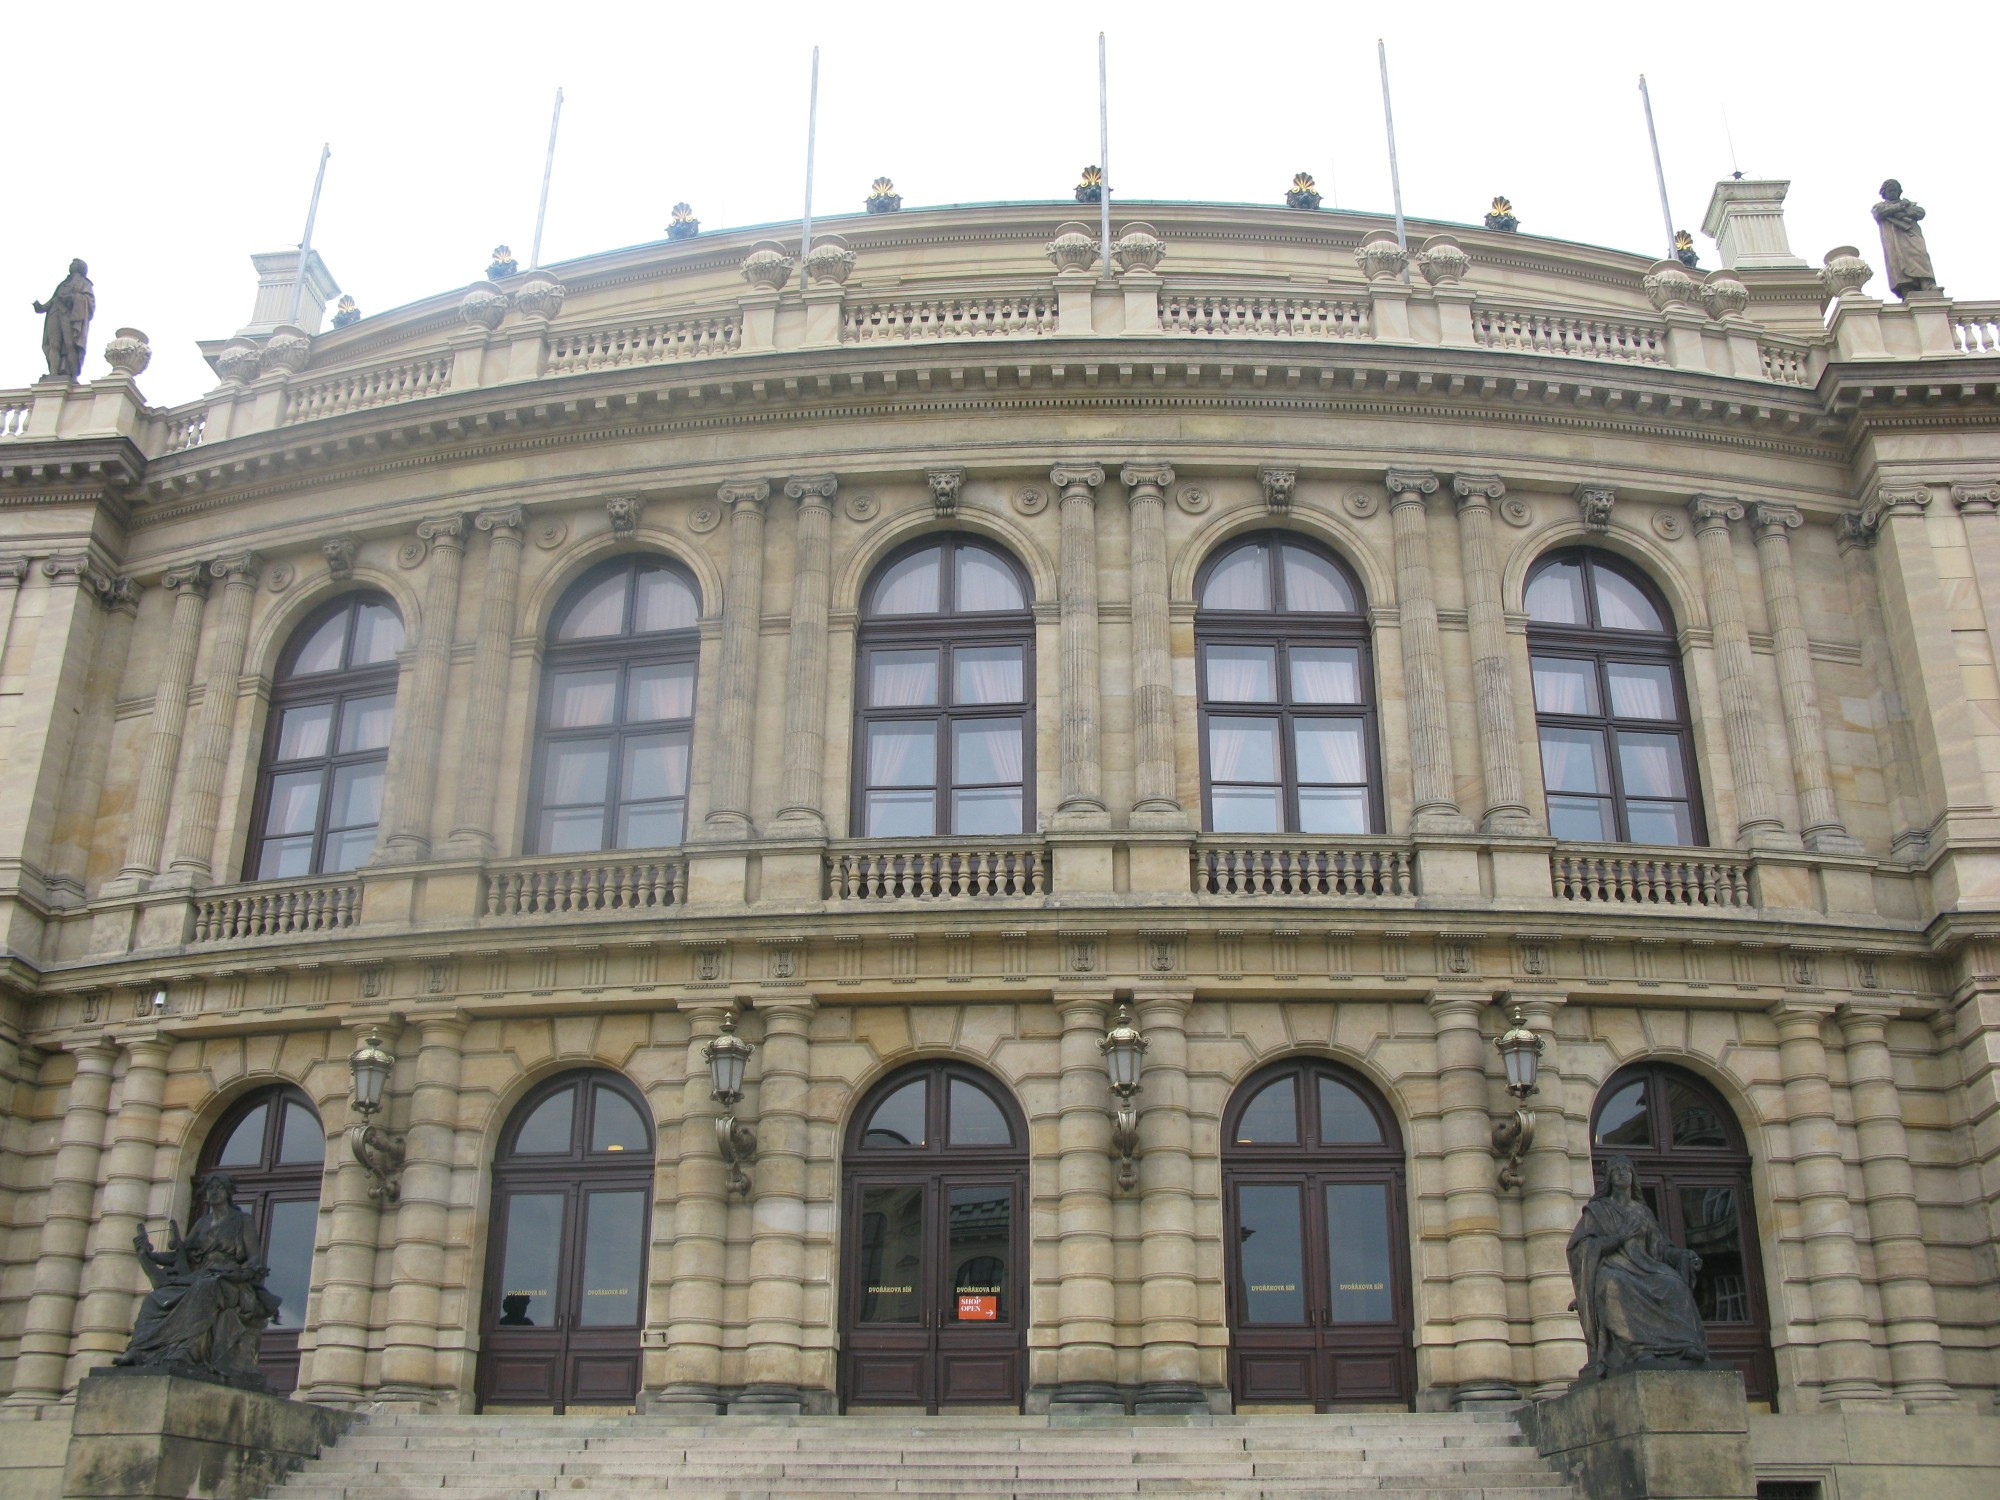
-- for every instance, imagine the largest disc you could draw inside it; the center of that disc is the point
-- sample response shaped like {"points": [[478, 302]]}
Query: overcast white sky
{"points": [[164, 144]]}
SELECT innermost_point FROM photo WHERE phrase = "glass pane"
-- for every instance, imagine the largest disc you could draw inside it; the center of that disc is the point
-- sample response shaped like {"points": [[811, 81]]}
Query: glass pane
{"points": [[651, 825], [664, 602], [1581, 820], [547, 1129], [321, 652], [1242, 674], [579, 699], [1621, 605], [899, 1119], [655, 766], [993, 811], [988, 674], [985, 752], [1333, 810], [1313, 585], [901, 815], [294, 802], [577, 830], [245, 1146], [615, 1125], [598, 611], [1345, 1118], [364, 723], [979, 1225], [1555, 595], [1624, 1120], [290, 1256], [284, 858], [985, 583], [1650, 765], [304, 732], [348, 850], [1565, 686], [1695, 1121], [661, 691], [975, 1118], [1242, 749], [902, 679], [1245, 809], [1659, 823], [1270, 1253], [1326, 674], [1641, 690], [357, 796], [1714, 1230], [301, 1139], [1357, 1252], [378, 635], [579, 771], [1272, 1118], [1573, 761], [892, 1255], [909, 587], [1329, 750], [903, 753], [614, 1258], [1240, 581], [528, 1269]]}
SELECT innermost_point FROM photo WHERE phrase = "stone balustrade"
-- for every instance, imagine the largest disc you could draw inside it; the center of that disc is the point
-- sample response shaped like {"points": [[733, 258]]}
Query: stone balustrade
{"points": [[616, 883], [1030, 314], [354, 390], [940, 871], [1536, 331], [1975, 327], [658, 341], [15, 409], [1260, 315], [1272, 866], [183, 427], [272, 909], [1635, 877]]}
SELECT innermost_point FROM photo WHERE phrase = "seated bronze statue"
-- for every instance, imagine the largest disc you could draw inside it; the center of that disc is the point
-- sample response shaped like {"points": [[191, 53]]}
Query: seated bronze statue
{"points": [[1634, 1290], [208, 1303]]}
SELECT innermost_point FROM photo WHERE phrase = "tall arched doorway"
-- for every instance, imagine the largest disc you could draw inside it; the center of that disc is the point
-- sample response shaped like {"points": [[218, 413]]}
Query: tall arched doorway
{"points": [[933, 1307], [566, 1258], [1694, 1171], [271, 1143], [1319, 1266]]}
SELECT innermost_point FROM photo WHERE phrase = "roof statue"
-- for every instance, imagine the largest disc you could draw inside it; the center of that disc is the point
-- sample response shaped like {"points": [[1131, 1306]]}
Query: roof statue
{"points": [[66, 322], [1501, 216], [504, 264], [1904, 252], [1090, 187], [1304, 192]]}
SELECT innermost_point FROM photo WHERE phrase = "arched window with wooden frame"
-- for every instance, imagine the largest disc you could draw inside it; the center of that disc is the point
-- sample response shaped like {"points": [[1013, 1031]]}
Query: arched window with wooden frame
{"points": [[326, 746], [1286, 692], [615, 729], [1611, 705]]}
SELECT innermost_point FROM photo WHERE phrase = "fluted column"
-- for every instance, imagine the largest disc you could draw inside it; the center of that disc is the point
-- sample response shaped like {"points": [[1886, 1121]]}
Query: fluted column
{"points": [[1819, 811], [1549, 1207], [201, 799], [1833, 1263], [1155, 778], [1482, 1363], [58, 1272], [1086, 1363], [413, 759], [1169, 1308], [1896, 1230], [154, 799], [1431, 780], [410, 1355], [701, 1231], [112, 1279], [1082, 800], [486, 708], [774, 1370], [1492, 672], [1757, 823], [799, 800], [742, 606]]}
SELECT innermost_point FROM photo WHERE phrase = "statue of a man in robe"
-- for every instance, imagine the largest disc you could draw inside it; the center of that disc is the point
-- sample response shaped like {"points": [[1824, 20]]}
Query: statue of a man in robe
{"points": [[1903, 248], [66, 321]]}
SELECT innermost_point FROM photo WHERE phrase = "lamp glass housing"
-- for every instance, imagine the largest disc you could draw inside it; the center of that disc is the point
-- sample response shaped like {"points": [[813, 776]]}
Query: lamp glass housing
{"points": [[371, 1065], [726, 1056], [1521, 1069]]}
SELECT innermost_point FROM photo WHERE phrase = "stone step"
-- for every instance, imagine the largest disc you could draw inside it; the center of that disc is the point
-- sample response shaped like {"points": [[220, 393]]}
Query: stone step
{"points": [[886, 1472]]}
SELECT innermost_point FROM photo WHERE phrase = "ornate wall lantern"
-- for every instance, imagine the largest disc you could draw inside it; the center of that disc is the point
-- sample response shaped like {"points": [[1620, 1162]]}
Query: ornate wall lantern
{"points": [[726, 1056], [1124, 1052], [379, 1151], [1521, 1051]]}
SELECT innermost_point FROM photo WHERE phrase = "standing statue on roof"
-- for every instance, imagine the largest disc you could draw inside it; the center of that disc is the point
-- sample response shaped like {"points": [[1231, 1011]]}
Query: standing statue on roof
{"points": [[1903, 249], [66, 322]]}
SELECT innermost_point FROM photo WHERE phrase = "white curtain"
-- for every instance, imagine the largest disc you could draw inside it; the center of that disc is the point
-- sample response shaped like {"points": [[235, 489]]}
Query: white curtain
{"points": [[902, 679], [1240, 581], [987, 751], [1563, 686], [902, 754], [1242, 750], [665, 602], [1312, 585], [1329, 751], [989, 674], [1571, 761], [1325, 675], [1641, 691], [1242, 674], [985, 583], [910, 587]]}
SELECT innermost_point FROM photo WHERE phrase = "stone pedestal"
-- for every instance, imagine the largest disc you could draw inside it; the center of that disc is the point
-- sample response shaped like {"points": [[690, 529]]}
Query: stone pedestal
{"points": [[1650, 1435], [166, 1437]]}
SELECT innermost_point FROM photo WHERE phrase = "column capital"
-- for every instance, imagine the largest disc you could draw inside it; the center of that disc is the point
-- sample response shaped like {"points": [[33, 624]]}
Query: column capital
{"points": [[1076, 481], [1981, 498], [1774, 517], [1153, 477], [813, 489], [739, 494], [99, 1051], [1409, 486], [625, 511], [1082, 1005], [1864, 1021], [14, 571], [507, 523], [1857, 528], [1798, 1016], [794, 1011], [238, 568], [446, 531], [1456, 1008], [1714, 512], [1477, 489], [1593, 503], [194, 577], [1901, 499], [1278, 485], [447, 1025]]}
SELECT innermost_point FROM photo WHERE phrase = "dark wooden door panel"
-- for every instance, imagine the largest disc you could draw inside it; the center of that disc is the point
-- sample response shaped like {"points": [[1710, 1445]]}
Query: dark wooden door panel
{"points": [[521, 1376], [1274, 1375], [889, 1378], [1364, 1378], [985, 1378], [603, 1377]]}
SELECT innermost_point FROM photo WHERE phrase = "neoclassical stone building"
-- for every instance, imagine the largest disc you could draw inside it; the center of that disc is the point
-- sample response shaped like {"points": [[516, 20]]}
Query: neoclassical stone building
{"points": [[909, 662]]}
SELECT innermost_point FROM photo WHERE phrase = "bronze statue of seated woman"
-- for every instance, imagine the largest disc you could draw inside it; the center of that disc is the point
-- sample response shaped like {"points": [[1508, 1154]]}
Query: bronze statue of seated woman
{"points": [[1634, 1290], [208, 1303]]}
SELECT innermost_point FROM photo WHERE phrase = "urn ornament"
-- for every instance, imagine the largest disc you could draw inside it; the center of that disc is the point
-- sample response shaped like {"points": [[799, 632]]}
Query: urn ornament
{"points": [[540, 296], [1723, 295], [1137, 248], [1669, 285], [1073, 249], [767, 267], [128, 352], [829, 262], [239, 361], [288, 349], [1379, 256], [1844, 272], [1442, 260], [483, 307]]}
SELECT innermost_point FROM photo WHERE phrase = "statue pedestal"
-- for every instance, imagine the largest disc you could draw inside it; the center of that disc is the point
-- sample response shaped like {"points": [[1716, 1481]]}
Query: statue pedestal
{"points": [[1650, 1435], [152, 1436]]}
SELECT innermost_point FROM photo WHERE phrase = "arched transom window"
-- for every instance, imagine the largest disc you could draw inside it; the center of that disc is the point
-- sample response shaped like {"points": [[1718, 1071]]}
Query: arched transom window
{"points": [[944, 726], [1286, 692], [1610, 705]]}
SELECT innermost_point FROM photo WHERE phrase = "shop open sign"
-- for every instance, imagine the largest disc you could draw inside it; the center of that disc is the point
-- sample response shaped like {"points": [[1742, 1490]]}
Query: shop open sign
{"points": [[976, 1308]]}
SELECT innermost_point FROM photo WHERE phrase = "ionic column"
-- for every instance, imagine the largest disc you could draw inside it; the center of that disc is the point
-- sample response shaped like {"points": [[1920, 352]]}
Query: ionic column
{"points": [[1169, 1364], [1082, 800], [1086, 1362], [805, 676], [1833, 1263], [701, 1232], [1902, 1264], [742, 605], [154, 799], [1977, 503], [1436, 805], [1819, 811], [413, 759], [486, 707], [201, 798], [1757, 823], [45, 1331], [1482, 1364], [1549, 1208], [410, 1354], [1155, 778], [774, 1370], [1492, 674], [112, 1278]]}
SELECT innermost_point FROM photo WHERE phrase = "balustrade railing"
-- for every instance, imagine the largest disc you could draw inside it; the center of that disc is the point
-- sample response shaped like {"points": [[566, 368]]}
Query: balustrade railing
{"points": [[875, 872], [183, 429], [612, 883], [358, 389], [1265, 867], [1250, 315], [15, 408], [1555, 333], [652, 343], [890, 320], [1651, 878], [1975, 327], [1786, 364], [272, 910]]}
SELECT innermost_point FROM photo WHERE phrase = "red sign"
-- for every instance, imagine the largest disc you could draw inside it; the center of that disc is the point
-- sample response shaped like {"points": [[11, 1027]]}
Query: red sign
{"points": [[978, 1309]]}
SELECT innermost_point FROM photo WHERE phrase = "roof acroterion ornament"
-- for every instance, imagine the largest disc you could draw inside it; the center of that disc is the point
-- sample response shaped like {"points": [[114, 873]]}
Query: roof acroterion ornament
{"points": [[1502, 216], [683, 225], [1304, 192], [346, 311], [1684, 250], [883, 197], [1090, 187], [503, 265]]}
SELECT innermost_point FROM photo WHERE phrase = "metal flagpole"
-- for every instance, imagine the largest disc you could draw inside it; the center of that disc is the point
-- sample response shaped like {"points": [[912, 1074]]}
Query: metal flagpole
{"points": [[306, 244], [1660, 172], [1104, 158], [1395, 177], [812, 129], [548, 167]]}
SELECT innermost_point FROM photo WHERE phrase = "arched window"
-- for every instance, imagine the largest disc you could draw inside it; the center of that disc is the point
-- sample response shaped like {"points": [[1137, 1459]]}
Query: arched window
{"points": [[1610, 705], [319, 797], [1286, 692], [944, 723], [617, 711]]}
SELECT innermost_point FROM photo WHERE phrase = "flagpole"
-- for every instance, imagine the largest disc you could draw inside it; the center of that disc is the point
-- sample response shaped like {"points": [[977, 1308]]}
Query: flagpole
{"points": [[812, 130], [306, 243], [1104, 158], [1395, 176], [548, 168], [1659, 172]]}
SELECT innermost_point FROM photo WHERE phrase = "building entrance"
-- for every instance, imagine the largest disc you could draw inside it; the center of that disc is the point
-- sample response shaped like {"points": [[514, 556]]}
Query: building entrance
{"points": [[566, 1263], [933, 1309]]}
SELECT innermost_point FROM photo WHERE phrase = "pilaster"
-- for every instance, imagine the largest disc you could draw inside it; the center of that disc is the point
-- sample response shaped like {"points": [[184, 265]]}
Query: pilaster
{"points": [[472, 834], [411, 1358], [1081, 805], [152, 802], [1492, 676], [1086, 1365], [1169, 1303], [1436, 805], [742, 596], [1155, 776], [701, 1234], [201, 800], [410, 783], [774, 1371], [800, 810]]}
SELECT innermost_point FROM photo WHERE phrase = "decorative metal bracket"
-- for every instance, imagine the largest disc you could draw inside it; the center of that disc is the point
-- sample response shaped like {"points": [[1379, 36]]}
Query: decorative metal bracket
{"points": [[739, 1148], [1125, 1142], [381, 1154], [1511, 1140]]}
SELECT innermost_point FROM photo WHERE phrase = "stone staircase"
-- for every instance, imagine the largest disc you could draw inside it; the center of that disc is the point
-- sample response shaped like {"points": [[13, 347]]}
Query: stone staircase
{"points": [[1421, 1456]]}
